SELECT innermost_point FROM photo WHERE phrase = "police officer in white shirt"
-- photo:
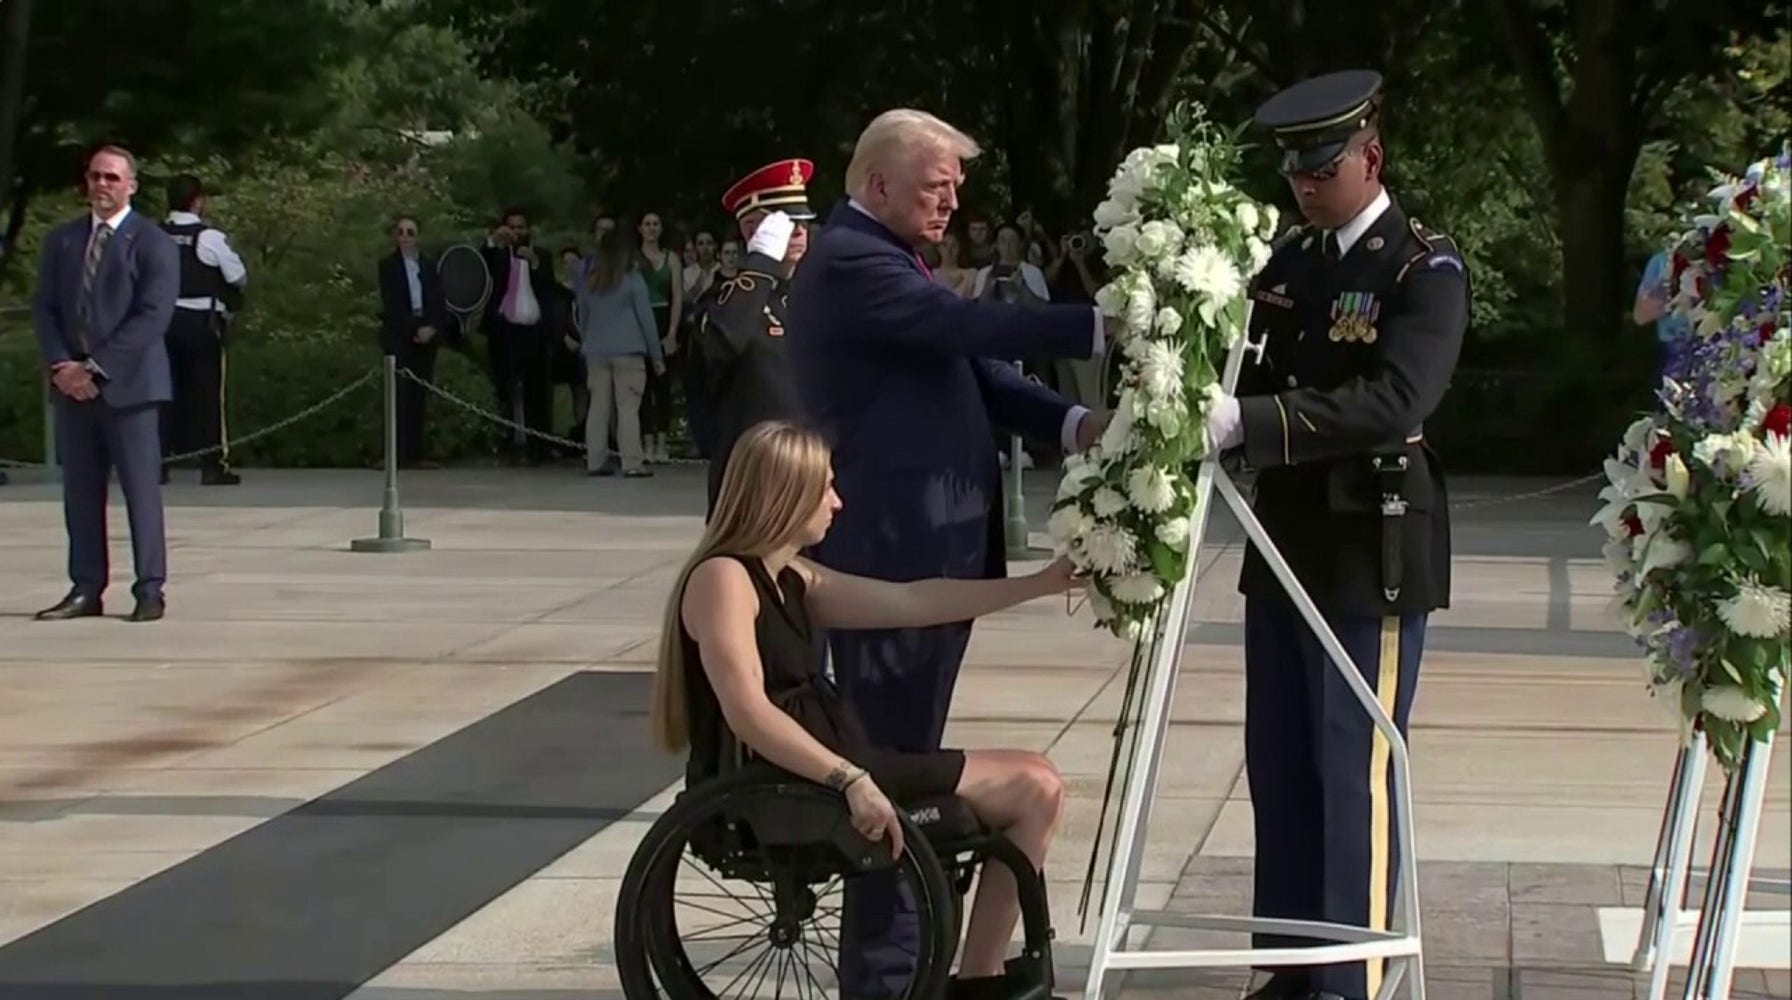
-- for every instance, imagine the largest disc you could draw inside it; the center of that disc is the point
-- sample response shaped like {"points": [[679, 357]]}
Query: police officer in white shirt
{"points": [[212, 277]]}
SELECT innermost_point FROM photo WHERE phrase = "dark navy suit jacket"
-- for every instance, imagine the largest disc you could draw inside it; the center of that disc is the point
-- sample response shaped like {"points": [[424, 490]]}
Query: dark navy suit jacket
{"points": [[134, 293], [896, 371]]}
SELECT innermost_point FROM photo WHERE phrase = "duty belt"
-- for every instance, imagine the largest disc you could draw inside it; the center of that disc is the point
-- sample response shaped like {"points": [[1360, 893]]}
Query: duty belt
{"points": [[1390, 475]]}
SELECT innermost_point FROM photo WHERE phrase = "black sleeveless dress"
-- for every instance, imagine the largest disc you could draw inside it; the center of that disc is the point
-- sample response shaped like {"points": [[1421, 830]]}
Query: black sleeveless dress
{"points": [[787, 656]]}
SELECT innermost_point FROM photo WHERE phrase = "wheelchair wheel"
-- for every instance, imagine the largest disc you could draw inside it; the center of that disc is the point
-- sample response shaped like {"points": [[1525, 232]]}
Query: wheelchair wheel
{"points": [[737, 890]]}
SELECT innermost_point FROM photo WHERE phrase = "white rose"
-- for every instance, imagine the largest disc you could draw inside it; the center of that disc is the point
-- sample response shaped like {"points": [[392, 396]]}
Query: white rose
{"points": [[1156, 239], [1121, 245], [1169, 322], [1111, 300], [1115, 212], [1174, 533], [1247, 216], [1260, 254], [1166, 414]]}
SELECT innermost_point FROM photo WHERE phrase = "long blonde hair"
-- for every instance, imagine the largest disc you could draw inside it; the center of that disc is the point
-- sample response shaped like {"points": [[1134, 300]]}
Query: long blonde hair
{"points": [[776, 477]]}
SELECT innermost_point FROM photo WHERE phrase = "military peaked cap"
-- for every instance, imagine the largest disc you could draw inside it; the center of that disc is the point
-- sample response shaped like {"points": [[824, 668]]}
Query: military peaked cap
{"points": [[1314, 120], [776, 187]]}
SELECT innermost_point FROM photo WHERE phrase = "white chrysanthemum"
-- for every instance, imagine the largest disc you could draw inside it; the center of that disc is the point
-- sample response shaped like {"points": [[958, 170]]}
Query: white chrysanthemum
{"points": [[1067, 525], [1247, 216], [1731, 704], [1118, 438], [1121, 245], [1758, 610], [1160, 369], [1111, 299], [1157, 239], [1141, 307], [1107, 502], [1115, 212], [1151, 490], [1174, 533], [1770, 475], [1110, 549], [1169, 322], [1136, 588], [1205, 271]]}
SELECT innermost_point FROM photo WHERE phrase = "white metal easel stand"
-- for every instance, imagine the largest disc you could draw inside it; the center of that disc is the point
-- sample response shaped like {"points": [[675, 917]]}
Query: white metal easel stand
{"points": [[1400, 945], [1721, 916]]}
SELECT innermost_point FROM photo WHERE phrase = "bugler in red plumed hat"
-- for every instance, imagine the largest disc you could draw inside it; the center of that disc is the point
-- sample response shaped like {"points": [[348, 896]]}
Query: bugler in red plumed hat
{"points": [[776, 187]]}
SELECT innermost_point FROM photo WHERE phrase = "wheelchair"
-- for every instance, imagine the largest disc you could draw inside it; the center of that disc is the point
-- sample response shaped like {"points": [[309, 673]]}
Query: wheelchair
{"points": [[737, 890]]}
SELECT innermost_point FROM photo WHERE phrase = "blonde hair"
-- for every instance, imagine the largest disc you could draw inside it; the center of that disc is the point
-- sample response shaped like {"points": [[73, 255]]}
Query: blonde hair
{"points": [[903, 132], [776, 477]]}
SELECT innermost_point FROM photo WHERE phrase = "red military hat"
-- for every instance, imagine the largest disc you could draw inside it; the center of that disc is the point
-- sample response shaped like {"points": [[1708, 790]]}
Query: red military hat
{"points": [[776, 187]]}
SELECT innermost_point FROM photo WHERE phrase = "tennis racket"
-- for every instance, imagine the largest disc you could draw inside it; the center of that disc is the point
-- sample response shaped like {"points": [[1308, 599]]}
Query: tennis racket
{"points": [[466, 283]]}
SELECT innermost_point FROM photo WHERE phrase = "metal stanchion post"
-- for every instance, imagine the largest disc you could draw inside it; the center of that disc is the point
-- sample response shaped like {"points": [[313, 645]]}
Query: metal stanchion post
{"points": [[391, 537], [1015, 500]]}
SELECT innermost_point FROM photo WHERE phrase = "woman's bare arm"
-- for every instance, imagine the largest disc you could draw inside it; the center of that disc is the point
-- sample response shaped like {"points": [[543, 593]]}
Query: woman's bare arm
{"points": [[719, 608], [841, 600]]}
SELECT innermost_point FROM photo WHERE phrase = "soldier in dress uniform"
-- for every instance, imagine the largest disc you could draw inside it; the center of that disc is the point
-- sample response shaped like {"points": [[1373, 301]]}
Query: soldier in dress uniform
{"points": [[1361, 313], [740, 337]]}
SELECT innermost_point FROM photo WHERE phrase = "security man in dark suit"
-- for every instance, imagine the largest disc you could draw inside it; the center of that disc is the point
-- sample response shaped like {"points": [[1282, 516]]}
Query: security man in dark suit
{"points": [[740, 335], [211, 282], [1361, 313], [414, 323]]}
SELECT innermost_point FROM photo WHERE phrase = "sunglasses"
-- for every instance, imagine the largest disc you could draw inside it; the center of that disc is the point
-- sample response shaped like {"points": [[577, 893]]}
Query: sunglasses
{"points": [[406, 231], [105, 175]]}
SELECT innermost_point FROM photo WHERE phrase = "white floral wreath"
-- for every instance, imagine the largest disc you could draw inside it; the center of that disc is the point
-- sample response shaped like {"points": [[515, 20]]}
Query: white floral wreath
{"points": [[1183, 241]]}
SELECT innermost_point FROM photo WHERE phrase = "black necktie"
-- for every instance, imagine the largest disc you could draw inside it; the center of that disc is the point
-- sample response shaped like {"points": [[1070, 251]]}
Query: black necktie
{"points": [[1330, 249]]}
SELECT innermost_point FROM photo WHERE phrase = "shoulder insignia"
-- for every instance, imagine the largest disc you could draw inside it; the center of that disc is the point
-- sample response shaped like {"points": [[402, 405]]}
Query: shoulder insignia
{"points": [[1286, 238], [1437, 251]]}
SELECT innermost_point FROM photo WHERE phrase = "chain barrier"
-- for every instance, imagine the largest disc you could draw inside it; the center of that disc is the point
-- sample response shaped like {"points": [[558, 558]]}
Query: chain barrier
{"points": [[554, 439], [305, 414], [373, 374]]}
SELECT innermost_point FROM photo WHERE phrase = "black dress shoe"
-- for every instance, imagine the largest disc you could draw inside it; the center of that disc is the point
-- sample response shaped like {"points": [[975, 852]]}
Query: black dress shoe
{"points": [[75, 605], [219, 477], [148, 609]]}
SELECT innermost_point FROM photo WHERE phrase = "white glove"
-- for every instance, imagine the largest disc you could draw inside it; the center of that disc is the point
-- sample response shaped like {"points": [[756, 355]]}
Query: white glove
{"points": [[772, 237], [1225, 425]]}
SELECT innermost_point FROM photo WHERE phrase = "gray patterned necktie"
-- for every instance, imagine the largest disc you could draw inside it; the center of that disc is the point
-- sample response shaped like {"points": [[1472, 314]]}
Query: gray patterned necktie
{"points": [[96, 251]]}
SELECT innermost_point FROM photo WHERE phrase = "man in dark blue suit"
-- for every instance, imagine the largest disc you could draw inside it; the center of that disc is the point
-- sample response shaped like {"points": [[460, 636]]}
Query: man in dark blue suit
{"points": [[897, 371], [105, 294]]}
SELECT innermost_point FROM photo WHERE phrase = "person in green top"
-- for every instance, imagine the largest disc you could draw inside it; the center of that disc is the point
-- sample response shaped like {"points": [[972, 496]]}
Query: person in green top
{"points": [[663, 270]]}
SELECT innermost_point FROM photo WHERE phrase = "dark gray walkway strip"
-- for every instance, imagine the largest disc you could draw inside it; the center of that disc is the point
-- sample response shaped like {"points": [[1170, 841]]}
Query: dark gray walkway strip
{"points": [[315, 902]]}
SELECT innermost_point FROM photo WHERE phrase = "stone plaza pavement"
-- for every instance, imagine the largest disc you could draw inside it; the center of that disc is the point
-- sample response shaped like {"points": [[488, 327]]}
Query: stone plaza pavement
{"points": [[420, 776]]}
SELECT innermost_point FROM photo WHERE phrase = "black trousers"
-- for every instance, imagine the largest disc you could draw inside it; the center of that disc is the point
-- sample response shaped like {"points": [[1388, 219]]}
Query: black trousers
{"points": [[522, 371], [413, 399], [1320, 775], [194, 419]]}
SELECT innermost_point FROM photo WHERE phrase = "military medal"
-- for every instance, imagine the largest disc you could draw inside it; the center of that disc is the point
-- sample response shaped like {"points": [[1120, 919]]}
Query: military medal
{"points": [[1353, 317]]}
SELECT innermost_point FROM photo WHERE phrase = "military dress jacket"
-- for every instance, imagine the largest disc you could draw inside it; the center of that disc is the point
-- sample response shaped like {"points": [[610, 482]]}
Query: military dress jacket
{"points": [[740, 348], [1357, 353]]}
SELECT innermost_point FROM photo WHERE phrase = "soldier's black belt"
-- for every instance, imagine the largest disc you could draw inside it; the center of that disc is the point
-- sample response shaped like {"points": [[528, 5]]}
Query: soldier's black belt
{"points": [[1390, 477]]}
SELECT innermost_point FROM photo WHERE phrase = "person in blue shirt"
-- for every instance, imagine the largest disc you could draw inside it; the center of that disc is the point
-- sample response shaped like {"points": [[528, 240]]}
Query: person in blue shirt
{"points": [[1652, 295]]}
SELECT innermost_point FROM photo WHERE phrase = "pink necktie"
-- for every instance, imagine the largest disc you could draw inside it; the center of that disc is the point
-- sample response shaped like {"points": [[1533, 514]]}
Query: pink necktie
{"points": [[508, 308], [922, 262]]}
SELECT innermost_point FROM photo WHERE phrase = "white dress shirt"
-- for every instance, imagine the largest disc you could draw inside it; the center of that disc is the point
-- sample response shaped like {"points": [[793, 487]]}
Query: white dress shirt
{"points": [[1359, 224], [1074, 418], [413, 273], [213, 250]]}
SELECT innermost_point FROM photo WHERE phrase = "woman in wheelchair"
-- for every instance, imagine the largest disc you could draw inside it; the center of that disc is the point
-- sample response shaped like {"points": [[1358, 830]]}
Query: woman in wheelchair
{"points": [[737, 657]]}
